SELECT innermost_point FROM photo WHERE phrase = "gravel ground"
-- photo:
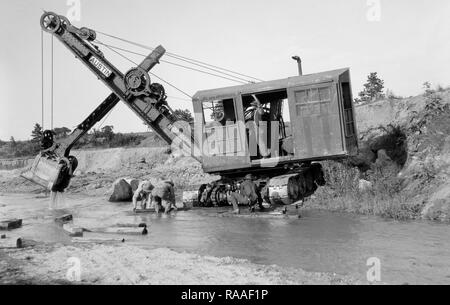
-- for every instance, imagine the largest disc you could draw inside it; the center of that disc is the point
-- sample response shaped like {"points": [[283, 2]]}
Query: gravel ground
{"points": [[122, 264]]}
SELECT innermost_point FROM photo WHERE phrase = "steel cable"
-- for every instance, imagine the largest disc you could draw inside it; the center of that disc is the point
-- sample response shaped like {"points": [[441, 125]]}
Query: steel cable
{"points": [[187, 59], [169, 62], [130, 60]]}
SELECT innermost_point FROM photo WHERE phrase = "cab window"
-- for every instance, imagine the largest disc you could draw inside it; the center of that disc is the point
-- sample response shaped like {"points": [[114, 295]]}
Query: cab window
{"points": [[220, 111]]}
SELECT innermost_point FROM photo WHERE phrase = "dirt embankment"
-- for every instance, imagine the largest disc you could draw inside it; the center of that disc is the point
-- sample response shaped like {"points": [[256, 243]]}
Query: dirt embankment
{"points": [[98, 169], [425, 175], [404, 158]]}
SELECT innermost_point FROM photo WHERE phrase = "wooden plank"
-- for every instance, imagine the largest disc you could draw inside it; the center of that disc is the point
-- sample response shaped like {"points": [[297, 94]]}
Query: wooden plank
{"points": [[152, 210], [130, 225], [25, 243], [73, 231], [64, 219], [97, 240], [122, 230], [10, 224]]}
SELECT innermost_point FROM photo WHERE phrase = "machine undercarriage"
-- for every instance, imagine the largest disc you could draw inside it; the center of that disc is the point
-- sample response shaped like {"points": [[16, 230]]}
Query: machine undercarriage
{"points": [[274, 187]]}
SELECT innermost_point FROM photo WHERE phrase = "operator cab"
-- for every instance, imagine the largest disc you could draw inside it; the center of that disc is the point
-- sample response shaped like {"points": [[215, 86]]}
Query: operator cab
{"points": [[280, 122]]}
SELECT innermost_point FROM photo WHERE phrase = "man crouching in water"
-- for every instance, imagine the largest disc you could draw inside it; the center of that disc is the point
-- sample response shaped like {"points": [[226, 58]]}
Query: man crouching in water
{"points": [[163, 196], [143, 194], [247, 195]]}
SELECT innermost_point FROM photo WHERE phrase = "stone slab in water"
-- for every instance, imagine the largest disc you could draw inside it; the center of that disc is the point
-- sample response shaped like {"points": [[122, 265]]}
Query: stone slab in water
{"points": [[25, 243], [124, 230], [152, 210], [64, 218], [73, 231], [10, 224]]}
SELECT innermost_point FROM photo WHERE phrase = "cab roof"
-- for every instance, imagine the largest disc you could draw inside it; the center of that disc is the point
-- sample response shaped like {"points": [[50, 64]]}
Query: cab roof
{"points": [[304, 80]]}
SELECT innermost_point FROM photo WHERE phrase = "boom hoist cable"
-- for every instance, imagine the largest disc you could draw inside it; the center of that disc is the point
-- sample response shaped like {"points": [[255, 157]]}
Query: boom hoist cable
{"points": [[191, 61], [149, 72], [42, 78], [171, 63], [46, 136], [43, 82], [133, 62], [52, 85]]}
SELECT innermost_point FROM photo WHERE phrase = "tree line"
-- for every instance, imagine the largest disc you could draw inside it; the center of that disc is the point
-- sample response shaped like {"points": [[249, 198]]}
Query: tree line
{"points": [[103, 137]]}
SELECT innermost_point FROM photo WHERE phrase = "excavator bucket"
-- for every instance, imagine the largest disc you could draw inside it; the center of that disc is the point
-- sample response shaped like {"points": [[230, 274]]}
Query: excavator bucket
{"points": [[44, 172]]}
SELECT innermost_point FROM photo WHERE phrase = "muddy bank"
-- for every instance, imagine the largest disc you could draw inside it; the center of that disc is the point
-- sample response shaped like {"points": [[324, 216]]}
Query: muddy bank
{"points": [[124, 265], [403, 168]]}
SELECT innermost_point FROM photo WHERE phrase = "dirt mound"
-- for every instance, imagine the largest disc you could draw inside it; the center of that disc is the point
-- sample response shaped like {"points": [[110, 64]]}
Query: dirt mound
{"points": [[115, 159], [11, 182], [153, 164], [415, 133], [98, 169]]}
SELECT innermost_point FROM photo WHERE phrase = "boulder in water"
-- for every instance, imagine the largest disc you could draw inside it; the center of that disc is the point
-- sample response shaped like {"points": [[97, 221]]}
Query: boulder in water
{"points": [[134, 183], [438, 207], [122, 191], [64, 219], [10, 224]]}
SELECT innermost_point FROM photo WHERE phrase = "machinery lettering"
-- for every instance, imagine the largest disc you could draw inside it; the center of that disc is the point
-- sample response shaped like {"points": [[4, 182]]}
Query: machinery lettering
{"points": [[99, 65]]}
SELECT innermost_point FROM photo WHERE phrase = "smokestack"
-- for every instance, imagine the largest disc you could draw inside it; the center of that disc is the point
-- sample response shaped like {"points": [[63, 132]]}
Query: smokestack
{"points": [[299, 63]]}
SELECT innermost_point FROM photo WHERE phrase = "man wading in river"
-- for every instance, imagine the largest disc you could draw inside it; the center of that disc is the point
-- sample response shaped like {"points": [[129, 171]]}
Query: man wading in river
{"points": [[247, 195], [163, 196], [143, 194]]}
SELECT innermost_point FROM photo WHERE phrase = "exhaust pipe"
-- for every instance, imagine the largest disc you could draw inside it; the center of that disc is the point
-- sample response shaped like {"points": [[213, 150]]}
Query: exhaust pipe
{"points": [[299, 63]]}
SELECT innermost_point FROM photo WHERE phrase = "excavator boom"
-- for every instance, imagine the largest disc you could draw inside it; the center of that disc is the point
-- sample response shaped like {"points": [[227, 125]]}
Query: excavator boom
{"points": [[53, 167]]}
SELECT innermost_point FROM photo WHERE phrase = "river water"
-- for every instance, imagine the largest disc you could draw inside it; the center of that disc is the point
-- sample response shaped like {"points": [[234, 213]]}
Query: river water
{"points": [[414, 252]]}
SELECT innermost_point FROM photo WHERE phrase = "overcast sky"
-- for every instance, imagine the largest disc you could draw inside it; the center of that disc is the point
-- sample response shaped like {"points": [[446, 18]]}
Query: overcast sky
{"points": [[407, 45]]}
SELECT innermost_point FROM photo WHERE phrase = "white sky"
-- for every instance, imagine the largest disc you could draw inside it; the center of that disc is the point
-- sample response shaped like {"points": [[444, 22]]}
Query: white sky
{"points": [[408, 46]]}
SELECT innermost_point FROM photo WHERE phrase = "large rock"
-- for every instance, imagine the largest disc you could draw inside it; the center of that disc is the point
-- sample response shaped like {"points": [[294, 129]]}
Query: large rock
{"points": [[122, 191], [365, 185], [73, 231], [438, 207], [10, 224], [64, 219], [134, 183]]}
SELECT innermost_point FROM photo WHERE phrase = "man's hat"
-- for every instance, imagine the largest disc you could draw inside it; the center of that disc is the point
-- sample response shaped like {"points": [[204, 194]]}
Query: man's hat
{"points": [[147, 187], [169, 182], [248, 177]]}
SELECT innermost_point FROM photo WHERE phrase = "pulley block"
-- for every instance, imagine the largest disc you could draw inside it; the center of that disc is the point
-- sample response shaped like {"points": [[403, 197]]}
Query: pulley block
{"points": [[137, 81], [50, 22]]}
